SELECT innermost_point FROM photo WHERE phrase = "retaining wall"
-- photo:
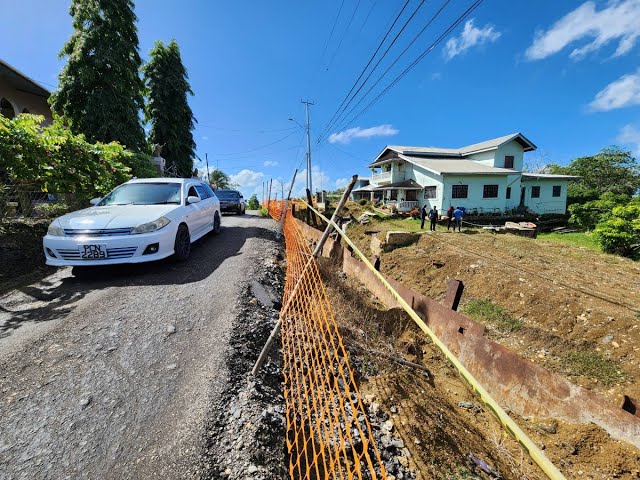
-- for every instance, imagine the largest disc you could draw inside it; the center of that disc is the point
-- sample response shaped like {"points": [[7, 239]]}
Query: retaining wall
{"points": [[526, 388]]}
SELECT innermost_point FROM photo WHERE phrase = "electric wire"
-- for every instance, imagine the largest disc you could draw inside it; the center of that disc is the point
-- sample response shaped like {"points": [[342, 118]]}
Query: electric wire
{"points": [[389, 30], [425, 52], [335, 22], [256, 148], [343, 35], [406, 49], [395, 39]]}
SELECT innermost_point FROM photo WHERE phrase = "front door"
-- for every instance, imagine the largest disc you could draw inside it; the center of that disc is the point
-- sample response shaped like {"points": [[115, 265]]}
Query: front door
{"points": [[523, 190]]}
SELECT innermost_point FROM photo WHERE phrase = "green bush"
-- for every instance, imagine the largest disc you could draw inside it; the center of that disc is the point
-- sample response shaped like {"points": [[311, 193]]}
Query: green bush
{"points": [[52, 159], [619, 233], [588, 215], [253, 203], [51, 210], [141, 165], [363, 201]]}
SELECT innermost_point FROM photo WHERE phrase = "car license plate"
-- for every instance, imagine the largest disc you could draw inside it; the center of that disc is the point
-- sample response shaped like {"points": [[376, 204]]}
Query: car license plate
{"points": [[93, 252]]}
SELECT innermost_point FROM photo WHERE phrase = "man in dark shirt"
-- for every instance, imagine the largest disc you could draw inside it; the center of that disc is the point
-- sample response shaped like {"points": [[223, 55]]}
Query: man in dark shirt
{"points": [[433, 217], [423, 215]]}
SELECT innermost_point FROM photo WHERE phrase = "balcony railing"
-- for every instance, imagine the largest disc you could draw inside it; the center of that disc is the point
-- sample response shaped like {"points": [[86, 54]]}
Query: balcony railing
{"points": [[407, 206], [381, 177]]}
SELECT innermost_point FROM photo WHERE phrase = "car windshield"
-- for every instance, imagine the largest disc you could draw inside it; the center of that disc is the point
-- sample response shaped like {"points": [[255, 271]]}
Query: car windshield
{"points": [[143, 194], [227, 195]]}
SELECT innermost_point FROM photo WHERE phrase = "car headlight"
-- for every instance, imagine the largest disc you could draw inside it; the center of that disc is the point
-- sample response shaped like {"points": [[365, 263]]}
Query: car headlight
{"points": [[151, 226], [55, 230]]}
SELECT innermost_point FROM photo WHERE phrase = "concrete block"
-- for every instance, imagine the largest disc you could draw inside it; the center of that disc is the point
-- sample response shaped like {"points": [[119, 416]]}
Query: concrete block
{"points": [[397, 239]]}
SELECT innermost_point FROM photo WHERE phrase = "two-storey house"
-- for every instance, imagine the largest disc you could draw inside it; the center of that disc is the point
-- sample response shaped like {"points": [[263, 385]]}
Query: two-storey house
{"points": [[485, 177]]}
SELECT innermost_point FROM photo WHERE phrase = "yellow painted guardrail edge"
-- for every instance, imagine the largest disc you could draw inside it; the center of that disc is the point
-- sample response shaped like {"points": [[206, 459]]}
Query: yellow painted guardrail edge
{"points": [[512, 427]]}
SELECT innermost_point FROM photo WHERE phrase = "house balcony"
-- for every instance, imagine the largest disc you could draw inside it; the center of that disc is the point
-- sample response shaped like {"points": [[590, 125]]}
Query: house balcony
{"points": [[405, 206], [381, 177]]}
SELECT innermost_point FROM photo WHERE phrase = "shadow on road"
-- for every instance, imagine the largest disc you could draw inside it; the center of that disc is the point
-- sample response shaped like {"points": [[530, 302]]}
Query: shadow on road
{"points": [[53, 299]]}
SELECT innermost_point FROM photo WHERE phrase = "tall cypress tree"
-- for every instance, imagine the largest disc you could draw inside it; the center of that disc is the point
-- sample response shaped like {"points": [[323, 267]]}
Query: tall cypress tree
{"points": [[100, 90], [167, 108]]}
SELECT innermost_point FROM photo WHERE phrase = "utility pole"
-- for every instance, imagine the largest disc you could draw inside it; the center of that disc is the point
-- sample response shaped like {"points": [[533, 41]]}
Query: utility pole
{"points": [[309, 184], [206, 157]]}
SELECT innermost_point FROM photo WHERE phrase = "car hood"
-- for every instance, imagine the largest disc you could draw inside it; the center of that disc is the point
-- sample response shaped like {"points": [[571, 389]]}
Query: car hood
{"points": [[115, 216]]}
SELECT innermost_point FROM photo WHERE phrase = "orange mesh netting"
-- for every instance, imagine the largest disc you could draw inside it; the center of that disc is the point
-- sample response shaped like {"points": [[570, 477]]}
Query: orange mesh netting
{"points": [[328, 430]]}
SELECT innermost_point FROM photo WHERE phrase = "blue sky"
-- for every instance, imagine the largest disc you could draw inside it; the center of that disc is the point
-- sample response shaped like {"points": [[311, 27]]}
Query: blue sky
{"points": [[566, 74]]}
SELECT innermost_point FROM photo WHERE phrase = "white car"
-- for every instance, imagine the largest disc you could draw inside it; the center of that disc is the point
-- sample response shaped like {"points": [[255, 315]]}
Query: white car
{"points": [[139, 221]]}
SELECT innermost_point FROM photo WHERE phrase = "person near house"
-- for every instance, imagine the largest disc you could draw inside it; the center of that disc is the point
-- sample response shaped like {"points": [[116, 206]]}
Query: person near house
{"points": [[433, 217], [423, 216], [450, 216], [457, 217]]}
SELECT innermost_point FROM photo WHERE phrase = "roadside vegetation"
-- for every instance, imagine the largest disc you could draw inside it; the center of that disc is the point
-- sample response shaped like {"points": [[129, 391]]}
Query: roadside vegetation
{"points": [[592, 365], [579, 239], [490, 313]]}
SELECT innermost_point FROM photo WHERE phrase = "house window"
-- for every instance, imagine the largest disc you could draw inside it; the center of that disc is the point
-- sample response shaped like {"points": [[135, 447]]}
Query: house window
{"points": [[459, 191], [557, 190], [6, 108], [508, 161], [412, 195], [393, 195], [535, 191], [508, 193], [430, 192], [490, 191]]}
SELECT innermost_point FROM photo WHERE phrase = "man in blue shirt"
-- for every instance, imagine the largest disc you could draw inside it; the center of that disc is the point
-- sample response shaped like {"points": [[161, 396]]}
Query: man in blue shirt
{"points": [[457, 219]]}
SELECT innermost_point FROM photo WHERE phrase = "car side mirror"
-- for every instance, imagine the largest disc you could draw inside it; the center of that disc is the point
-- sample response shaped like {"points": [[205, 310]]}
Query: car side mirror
{"points": [[95, 201], [192, 199]]}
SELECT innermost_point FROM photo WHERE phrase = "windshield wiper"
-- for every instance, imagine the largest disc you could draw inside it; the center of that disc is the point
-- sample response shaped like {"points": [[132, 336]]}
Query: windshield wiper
{"points": [[165, 203]]}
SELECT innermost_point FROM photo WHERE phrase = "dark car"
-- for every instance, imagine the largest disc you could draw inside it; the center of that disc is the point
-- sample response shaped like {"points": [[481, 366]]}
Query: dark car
{"points": [[231, 201]]}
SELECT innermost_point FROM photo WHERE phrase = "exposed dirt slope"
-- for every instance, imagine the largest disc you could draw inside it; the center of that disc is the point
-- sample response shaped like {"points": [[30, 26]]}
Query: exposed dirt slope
{"points": [[440, 419], [567, 299]]}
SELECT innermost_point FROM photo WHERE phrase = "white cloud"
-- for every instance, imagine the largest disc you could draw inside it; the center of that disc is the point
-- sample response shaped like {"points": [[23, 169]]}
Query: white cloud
{"points": [[342, 182], [630, 135], [205, 138], [618, 21], [247, 179], [345, 136], [270, 163], [623, 92], [436, 76], [470, 37]]}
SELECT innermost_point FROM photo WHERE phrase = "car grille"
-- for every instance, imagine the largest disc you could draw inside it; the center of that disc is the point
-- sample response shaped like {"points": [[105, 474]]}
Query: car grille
{"points": [[112, 253], [104, 232]]}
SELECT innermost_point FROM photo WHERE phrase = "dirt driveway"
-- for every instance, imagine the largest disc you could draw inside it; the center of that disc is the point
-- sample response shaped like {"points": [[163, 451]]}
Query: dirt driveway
{"points": [[112, 376]]}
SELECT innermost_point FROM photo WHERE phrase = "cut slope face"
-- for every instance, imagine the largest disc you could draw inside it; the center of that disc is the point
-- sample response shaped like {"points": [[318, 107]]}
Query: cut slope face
{"points": [[568, 308]]}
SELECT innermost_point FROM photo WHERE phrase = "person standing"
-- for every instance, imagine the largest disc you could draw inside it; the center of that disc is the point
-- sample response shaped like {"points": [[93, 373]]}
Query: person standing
{"points": [[423, 215], [457, 216], [433, 217], [450, 216]]}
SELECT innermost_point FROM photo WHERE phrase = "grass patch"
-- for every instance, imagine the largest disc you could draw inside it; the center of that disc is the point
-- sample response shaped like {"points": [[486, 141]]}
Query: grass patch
{"points": [[593, 365], [488, 312], [263, 212], [579, 239]]}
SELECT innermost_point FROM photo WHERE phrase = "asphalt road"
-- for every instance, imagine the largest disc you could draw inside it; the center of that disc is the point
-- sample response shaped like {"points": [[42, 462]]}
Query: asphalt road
{"points": [[112, 376]]}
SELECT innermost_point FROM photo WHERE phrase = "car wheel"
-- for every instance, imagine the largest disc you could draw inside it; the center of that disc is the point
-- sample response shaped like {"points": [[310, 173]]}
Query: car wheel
{"points": [[216, 223], [182, 246], [242, 211]]}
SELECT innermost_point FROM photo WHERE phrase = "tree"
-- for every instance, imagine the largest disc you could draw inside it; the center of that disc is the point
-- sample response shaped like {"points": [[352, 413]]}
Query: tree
{"points": [[253, 203], [220, 180], [167, 108], [620, 232], [612, 170], [587, 215], [100, 89]]}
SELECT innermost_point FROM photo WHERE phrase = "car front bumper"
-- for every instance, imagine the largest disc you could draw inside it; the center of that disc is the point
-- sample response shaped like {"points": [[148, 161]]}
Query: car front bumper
{"points": [[65, 250]]}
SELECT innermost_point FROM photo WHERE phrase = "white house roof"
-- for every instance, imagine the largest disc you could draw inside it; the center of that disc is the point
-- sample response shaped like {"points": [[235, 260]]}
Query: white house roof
{"points": [[547, 176], [493, 144], [410, 184], [366, 188], [444, 166], [22, 81]]}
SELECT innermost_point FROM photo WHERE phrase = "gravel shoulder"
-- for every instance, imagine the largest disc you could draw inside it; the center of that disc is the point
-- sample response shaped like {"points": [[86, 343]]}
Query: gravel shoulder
{"points": [[115, 375]]}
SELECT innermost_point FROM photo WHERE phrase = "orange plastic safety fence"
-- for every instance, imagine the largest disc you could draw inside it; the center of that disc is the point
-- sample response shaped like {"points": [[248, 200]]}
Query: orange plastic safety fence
{"points": [[328, 431]]}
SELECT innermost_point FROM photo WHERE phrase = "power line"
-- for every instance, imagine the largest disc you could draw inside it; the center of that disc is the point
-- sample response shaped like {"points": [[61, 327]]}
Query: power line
{"points": [[343, 35], [396, 60], [257, 148], [335, 22], [216, 127], [425, 52], [366, 66], [406, 23], [373, 5]]}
